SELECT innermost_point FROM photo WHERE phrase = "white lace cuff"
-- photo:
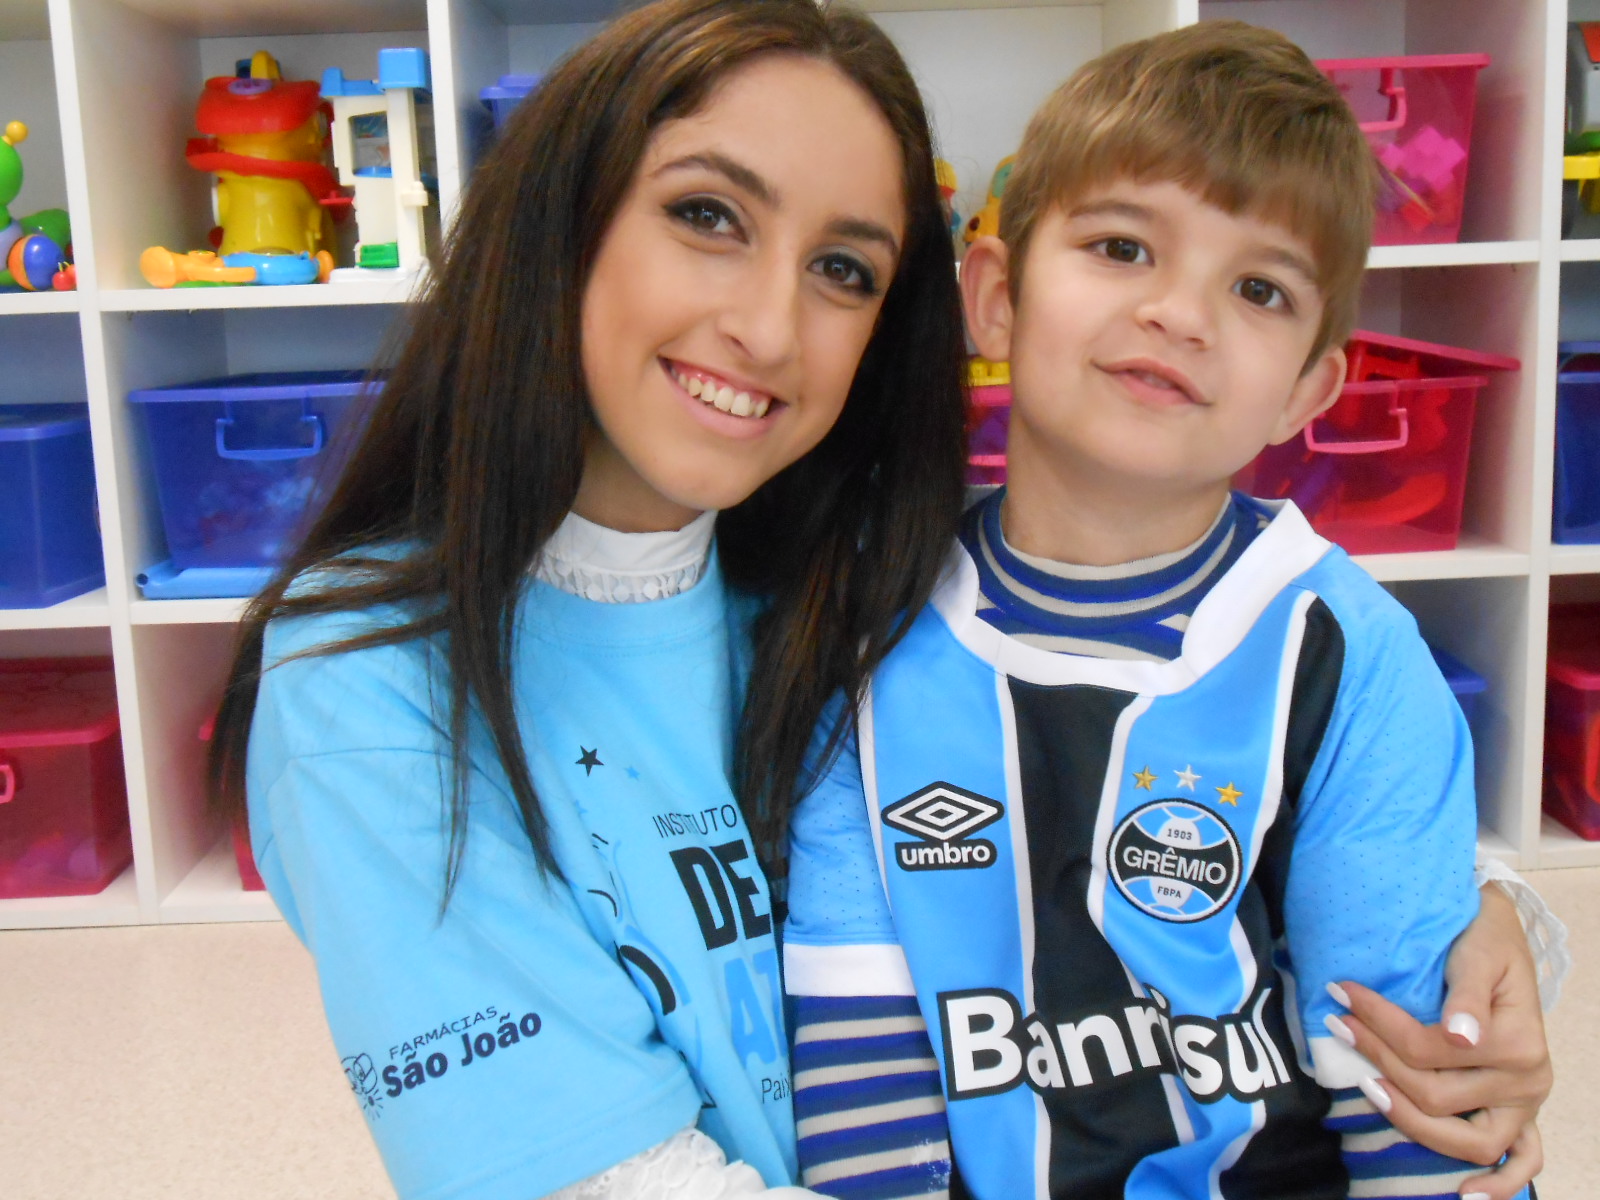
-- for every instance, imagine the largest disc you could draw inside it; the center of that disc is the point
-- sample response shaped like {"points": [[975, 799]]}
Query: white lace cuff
{"points": [[1547, 936], [687, 1166]]}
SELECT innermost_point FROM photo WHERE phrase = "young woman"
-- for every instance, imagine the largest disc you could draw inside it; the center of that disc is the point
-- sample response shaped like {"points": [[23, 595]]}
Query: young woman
{"points": [[490, 719]]}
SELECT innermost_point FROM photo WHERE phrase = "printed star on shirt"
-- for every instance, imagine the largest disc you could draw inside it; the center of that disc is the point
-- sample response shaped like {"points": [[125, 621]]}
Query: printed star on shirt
{"points": [[590, 759], [1186, 777], [1230, 794], [1145, 778]]}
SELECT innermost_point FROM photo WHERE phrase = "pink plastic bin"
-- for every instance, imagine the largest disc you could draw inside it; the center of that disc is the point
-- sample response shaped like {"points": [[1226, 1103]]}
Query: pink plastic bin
{"points": [[63, 799], [243, 856], [1417, 114], [1385, 469], [988, 417], [1572, 720]]}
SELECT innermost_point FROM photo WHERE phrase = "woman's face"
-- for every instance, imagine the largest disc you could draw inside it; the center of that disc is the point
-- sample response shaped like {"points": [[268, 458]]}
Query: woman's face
{"points": [[735, 292]]}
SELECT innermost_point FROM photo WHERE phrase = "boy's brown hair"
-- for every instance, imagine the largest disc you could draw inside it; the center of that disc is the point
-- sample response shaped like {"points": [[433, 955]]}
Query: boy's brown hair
{"points": [[1236, 113]]}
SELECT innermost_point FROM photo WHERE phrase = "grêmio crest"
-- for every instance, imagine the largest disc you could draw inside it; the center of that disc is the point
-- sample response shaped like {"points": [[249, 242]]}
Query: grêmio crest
{"points": [[943, 818]]}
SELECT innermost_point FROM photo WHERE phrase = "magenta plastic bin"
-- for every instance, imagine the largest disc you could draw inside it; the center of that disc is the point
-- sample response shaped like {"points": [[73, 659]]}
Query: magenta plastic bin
{"points": [[1385, 469], [1417, 114], [988, 417], [1572, 719], [63, 799]]}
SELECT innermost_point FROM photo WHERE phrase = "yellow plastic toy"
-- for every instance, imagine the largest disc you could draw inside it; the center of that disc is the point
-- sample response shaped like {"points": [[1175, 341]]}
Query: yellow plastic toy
{"points": [[267, 142], [983, 372], [986, 221]]}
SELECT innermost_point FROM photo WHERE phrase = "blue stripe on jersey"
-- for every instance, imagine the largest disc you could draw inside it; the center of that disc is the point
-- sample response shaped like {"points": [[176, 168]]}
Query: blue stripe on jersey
{"points": [[808, 1056], [1142, 607], [930, 1179], [821, 1099]]}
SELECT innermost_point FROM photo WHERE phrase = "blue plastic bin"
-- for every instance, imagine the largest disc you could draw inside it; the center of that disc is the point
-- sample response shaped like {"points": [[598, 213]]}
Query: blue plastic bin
{"points": [[504, 96], [1466, 683], [243, 463], [1577, 495], [49, 525]]}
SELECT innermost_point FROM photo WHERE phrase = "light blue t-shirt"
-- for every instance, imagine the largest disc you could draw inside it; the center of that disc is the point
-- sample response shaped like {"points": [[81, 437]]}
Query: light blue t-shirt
{"points": [[537, 1030]]}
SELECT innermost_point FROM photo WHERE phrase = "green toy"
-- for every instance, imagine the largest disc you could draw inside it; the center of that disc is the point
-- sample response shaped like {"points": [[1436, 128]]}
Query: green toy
{"points": [[35, 249]]}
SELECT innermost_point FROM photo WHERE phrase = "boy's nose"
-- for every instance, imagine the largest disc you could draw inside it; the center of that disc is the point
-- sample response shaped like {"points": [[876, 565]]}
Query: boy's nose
{"points": [[1181, 310]]}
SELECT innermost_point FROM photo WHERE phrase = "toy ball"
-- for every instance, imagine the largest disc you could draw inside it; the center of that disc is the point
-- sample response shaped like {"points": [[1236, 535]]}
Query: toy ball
{"points": [[34, 261]]}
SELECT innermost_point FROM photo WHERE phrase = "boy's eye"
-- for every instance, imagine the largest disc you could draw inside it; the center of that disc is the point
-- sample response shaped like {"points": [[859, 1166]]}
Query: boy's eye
{"points": [[705, 215], [1122, 250], [848, 272], [1262, 293]]}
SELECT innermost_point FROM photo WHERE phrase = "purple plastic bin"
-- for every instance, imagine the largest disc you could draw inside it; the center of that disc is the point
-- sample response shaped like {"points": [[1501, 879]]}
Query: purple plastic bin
{"points": [[243, 463], [49, 525], [1577, 494], [505, 95]]}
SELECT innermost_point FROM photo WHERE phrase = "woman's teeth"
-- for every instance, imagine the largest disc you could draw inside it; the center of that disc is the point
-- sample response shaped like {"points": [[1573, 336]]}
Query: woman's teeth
{"points": [[724, 398]]}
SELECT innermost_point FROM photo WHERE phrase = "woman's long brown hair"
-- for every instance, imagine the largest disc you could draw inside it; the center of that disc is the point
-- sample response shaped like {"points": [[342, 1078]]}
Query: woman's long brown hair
{"points": [[474, 451]]}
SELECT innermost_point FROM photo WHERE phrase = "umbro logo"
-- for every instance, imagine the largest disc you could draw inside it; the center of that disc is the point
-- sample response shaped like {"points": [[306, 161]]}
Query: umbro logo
{"points": [[943, 817]]}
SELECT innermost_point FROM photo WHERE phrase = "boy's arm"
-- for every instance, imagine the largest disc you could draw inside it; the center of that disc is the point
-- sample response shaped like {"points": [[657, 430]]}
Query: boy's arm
{"points": [[869, 1110], [1381, 877]]}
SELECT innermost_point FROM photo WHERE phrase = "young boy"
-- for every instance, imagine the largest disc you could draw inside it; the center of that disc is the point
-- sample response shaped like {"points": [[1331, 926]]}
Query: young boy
{"points": [[1158, 764]]}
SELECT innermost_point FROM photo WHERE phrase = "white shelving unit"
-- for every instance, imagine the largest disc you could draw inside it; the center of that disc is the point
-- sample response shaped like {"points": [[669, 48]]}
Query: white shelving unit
{"points": [[108, 88]]}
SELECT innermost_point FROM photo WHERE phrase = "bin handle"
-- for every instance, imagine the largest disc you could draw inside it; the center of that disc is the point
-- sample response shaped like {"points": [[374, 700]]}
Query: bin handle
{"points": [[1397, 104], [271, 453], [1396, 410], [8, 783]]}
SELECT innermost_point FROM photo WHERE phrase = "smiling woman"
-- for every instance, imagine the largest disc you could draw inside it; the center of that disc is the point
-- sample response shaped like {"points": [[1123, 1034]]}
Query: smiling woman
{"points": [[693, 285]]}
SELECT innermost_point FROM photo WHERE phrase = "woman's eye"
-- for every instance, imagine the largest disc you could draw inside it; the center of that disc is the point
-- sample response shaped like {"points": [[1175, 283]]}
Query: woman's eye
{"points": [[705, 215], [848, 272], [1122, 250], [1262, 293]]}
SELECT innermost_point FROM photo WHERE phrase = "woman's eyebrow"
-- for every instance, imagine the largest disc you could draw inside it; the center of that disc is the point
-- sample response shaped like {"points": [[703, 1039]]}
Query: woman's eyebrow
{"points": [[736, 172], [863, 230]]}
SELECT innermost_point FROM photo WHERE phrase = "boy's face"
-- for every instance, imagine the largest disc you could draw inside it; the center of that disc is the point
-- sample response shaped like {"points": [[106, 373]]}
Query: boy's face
{"points": [[1157, 341]]}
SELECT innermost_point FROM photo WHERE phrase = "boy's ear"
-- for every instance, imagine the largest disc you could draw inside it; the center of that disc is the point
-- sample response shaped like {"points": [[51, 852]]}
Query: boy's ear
{"points": [[986, 297], [1314, 394]]}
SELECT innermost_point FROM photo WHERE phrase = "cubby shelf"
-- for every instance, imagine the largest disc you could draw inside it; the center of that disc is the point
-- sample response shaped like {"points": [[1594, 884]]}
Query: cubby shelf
{"points": [[112, 154]]}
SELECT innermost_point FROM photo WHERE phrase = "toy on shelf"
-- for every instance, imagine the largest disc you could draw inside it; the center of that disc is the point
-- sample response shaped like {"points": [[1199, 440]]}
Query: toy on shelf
{"points": [[266, 139], [1580, 165], [988, 414], [945, 176], [37, 249], [164, 268], [375, 148], [986, 221]]}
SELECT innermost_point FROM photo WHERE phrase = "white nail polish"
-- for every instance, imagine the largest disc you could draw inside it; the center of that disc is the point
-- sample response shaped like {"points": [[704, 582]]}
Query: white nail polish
{"points": [[1340, 996], [1339, 1029], [1465, 1025], [1373, 1090]]}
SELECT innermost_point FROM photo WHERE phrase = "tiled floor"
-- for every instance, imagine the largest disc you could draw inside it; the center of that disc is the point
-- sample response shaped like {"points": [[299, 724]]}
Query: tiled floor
{"points": [[191, 1063]]}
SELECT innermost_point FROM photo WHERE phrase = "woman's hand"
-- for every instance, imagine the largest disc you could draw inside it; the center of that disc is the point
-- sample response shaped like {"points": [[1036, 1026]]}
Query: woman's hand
{"points": [[1486, 1058]]}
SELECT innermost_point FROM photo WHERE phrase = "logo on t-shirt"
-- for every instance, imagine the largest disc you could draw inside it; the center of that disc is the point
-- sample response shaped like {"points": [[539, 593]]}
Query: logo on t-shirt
{"points": [[944, 817], [1175, 860]]}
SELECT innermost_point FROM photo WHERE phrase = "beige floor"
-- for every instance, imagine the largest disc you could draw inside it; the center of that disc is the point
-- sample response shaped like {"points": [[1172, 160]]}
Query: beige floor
{"points": [[191, 1063]]}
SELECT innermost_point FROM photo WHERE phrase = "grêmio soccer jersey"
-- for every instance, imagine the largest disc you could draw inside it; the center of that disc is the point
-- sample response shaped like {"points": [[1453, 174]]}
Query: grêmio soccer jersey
{"points": [[1121, 887]]}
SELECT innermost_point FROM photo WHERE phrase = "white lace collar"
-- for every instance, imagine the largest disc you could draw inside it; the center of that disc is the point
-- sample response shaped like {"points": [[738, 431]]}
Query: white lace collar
{"points": [[596, 563]]}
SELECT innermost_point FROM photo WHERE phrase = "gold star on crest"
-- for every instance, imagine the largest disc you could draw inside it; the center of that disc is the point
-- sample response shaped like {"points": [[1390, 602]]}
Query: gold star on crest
{"points": [[1229, 794], [1145, 778]]}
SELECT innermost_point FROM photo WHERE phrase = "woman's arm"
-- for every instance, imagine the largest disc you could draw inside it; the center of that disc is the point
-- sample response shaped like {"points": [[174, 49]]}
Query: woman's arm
{"points": [[1486, 1058]]}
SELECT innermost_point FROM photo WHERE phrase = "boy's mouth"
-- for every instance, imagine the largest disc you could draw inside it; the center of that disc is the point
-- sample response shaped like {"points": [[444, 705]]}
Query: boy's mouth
{"points": [[1155, 379], [722, 394]]}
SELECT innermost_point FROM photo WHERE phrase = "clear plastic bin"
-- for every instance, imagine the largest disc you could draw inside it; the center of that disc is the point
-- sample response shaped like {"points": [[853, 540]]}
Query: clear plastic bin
{"points": [[1417, 114], [1572, 719], [1577, 491], [1384, 470], [243, 463], [63, 798], [49, 525], [988, 417], [504, 96]]}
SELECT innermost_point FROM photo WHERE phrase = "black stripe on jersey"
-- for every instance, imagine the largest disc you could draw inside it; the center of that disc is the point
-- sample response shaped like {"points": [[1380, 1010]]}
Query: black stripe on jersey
{"points": [[1064, 737], [1293, 1157]]}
